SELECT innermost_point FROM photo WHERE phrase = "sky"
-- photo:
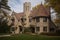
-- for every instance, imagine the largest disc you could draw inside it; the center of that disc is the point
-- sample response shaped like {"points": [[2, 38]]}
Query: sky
{"points": [[17, 5]]}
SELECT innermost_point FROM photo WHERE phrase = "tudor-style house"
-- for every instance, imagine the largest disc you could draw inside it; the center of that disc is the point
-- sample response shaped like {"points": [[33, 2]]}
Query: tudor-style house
{"points": [[35, 20]]}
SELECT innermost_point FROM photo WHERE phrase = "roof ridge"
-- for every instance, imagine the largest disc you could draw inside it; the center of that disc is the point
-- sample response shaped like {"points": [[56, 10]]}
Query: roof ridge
{"points": [[45, 9]]}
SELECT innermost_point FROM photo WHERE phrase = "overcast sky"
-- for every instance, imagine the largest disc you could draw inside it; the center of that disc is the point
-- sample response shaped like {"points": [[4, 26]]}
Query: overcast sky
{"points": [[17, 5]]}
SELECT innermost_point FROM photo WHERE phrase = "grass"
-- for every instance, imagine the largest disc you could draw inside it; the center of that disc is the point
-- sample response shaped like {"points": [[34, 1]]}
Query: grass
{"points": [[30, 37]]}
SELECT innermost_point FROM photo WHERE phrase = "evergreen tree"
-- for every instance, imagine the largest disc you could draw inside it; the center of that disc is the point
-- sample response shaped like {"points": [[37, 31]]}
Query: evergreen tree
{"points": [[4, 4], [4, 28]]}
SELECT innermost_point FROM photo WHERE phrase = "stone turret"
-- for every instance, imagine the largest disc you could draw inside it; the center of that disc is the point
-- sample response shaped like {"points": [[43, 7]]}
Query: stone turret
{"points": [[27, 7]]}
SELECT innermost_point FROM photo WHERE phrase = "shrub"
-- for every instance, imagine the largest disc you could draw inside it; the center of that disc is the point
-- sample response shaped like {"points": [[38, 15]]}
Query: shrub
{"points": [[51, 34], [26, 30]]}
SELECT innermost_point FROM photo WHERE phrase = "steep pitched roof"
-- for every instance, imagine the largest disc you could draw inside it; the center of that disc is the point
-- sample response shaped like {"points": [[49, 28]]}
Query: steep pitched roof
{"points": [[40, 11], [19, 15]]}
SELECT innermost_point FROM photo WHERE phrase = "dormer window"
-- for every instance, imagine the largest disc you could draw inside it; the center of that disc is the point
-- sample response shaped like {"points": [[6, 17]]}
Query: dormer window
{"points": [[37, 19], [44, 19]]}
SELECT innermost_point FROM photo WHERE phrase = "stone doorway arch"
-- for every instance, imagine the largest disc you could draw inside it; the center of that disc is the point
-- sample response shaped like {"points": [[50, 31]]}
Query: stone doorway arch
{"points": [[20, 29]]}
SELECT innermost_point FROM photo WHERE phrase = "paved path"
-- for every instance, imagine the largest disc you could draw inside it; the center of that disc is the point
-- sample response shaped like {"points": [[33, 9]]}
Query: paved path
{"points": [[4, 35]]}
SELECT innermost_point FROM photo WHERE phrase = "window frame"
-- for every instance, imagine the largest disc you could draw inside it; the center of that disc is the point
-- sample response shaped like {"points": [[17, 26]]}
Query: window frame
{"points": [[37, 28], [37, 19], [44, 19], [45, 28]]}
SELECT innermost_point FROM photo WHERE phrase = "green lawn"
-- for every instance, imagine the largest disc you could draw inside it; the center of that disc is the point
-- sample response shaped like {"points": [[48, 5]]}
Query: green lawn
{"points": [[29, 37]]}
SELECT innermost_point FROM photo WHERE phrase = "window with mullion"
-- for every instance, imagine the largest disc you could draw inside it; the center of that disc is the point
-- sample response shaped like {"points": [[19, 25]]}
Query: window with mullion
{"points": [[37, 28], [37, 19], [45, 28], [44, 19]]}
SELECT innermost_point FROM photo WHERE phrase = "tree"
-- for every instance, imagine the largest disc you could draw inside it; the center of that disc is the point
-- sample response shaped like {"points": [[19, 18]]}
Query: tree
{"points": [[36, 7], [4, 4], [4, 28], [55, 4]]}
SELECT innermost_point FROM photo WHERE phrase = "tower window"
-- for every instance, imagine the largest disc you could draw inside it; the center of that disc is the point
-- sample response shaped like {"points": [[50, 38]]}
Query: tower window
{"points": [[27, 8], [30, 20], [22, 19]]}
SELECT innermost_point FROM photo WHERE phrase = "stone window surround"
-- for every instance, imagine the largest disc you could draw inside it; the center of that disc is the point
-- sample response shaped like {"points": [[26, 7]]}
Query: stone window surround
{"points": [[45, 28]]}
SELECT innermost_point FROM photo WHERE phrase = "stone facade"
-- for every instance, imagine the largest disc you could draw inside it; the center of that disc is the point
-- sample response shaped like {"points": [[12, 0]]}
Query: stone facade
{"points": [[27, 7], [36, 20]]}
